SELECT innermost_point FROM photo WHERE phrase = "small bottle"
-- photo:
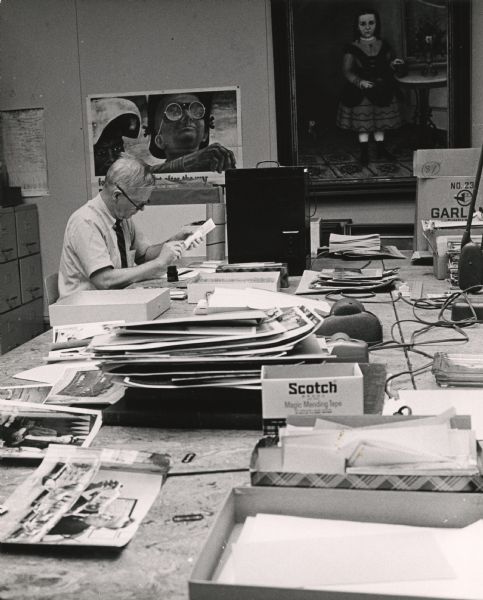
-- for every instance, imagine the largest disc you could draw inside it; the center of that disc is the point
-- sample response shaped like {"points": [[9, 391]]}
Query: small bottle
{"points": [[172, 273]]}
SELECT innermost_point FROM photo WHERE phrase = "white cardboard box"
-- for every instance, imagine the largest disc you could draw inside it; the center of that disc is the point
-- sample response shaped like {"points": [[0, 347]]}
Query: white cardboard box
{"points": [[90, 306], [423, 509], [207, 282], [315, 390], [445, 180]]}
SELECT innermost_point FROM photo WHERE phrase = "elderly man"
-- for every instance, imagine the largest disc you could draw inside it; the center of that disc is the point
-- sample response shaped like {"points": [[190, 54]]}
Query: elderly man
{"points": [[103, 248]]}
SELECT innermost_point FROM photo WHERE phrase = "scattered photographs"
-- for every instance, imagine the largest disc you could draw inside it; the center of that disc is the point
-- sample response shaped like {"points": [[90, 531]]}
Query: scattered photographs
{"points": [[85, 387], [72, 499], [36, 393], [27, 429]]}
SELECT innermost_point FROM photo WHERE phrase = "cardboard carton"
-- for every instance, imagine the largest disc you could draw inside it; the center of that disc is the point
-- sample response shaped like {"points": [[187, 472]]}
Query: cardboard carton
{"points": [[423, 509], [445, 180], [90, 306], [207, 282]]}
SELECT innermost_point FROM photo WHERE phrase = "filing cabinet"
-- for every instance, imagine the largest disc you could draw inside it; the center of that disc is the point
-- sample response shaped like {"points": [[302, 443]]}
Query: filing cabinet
{"points": [[8, 236], [21, 282]]}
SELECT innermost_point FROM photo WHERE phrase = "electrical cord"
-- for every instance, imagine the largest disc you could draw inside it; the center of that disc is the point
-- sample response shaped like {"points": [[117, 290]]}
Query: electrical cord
{"points": [[411, 372]]}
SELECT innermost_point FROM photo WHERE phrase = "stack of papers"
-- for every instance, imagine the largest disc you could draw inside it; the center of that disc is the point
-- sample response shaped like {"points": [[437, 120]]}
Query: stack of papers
{"points": [[339, 243], [403, 447], [284, 551], [361, 246], [347, 280], [458, 369], [222, 350]]}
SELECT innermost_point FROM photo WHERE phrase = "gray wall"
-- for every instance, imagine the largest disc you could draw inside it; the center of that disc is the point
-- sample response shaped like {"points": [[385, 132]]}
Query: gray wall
{"points": [[53, 53]]}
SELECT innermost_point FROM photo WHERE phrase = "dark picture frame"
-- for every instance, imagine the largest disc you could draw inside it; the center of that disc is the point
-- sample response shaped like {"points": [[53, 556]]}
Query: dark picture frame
{"points": [[298, 38]]}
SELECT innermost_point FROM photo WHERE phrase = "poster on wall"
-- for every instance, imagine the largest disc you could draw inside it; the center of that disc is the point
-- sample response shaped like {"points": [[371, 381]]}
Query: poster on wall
{"points": [[22, 150], [188, 136]]}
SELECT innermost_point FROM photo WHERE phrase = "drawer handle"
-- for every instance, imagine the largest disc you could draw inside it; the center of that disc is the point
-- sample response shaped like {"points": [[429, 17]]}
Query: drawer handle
{"points": [[30, 243], [7, 250]]}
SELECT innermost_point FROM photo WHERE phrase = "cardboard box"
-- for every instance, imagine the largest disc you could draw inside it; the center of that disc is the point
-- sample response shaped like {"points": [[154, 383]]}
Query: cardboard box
{"points": [[207, 282], [424, 509], [266, 461], [444, 185], [90, 306], [445, 162], [315, 390]]}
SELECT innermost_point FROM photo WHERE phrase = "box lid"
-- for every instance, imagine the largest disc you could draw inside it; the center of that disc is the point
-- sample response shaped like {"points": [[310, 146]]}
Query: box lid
{"points": [[100, 297], [311, 371]]}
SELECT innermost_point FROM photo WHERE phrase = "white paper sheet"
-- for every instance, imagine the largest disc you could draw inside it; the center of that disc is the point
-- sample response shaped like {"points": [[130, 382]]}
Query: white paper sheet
{"points": [[52, 372]]}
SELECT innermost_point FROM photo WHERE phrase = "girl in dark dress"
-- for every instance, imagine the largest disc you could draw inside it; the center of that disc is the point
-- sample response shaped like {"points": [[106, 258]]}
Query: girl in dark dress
{"points": [[370, 101]]}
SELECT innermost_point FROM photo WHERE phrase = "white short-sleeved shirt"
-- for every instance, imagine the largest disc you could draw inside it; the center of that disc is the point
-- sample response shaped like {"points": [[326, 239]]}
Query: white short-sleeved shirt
{"points": [[90, 244]]}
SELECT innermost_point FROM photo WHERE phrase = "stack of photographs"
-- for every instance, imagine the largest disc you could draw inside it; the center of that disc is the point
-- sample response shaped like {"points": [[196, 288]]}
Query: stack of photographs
{"points": [[458, 369], [76, 498], [219, 350], [347, 280]]}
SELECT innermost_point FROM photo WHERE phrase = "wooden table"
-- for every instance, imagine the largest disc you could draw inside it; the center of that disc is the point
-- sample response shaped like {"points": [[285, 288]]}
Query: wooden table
{"points": [[158, 561]]}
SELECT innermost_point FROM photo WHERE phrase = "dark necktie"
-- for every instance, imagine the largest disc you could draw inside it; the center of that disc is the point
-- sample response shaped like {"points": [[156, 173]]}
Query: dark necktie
{"points": [[121, 244]]}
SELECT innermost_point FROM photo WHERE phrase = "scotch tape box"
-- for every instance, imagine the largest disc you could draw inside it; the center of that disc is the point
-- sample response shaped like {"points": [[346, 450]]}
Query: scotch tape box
{"points": [[316, 390]]}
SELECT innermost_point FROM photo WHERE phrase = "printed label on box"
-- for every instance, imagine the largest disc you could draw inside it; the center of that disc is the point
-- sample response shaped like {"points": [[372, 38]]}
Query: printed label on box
{"points": [[443, 198], [318, 390]]}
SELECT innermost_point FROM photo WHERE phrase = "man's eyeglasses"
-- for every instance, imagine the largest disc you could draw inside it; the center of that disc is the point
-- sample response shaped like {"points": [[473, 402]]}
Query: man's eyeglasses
{"points": [[174, 110], [135, 204]]}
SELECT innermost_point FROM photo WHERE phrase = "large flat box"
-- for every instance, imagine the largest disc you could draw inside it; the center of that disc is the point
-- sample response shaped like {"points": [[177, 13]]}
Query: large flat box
{"points": [[207, 282], [266, 464], [315, 390], [423, 509], [445, 180], [90, 306]]}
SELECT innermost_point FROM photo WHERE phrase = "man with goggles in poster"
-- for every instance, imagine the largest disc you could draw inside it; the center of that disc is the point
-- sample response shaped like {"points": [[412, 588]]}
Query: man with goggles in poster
{"points": [[179, 125]]}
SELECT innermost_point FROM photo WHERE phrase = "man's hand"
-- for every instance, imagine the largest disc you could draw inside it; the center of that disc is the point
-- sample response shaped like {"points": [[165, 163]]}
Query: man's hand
{"points": [[170, 252], [182, 235], [214, 157]]}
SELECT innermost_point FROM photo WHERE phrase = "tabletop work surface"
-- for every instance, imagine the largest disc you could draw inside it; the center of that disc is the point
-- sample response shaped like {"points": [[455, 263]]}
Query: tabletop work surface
{"points": [[158, 561]]}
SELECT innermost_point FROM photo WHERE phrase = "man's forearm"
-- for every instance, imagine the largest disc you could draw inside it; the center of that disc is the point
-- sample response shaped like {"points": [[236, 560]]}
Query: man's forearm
{"points": [[152, 252], [120, 278]]}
